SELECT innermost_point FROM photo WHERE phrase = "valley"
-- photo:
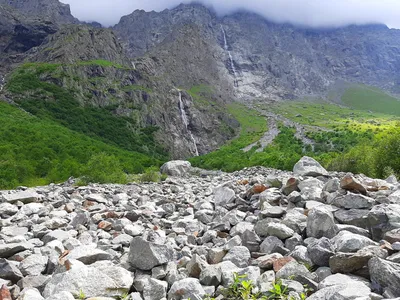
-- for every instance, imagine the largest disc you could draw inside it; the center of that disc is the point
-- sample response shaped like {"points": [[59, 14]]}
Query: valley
{"points": [[189, 154], [187, 84]]}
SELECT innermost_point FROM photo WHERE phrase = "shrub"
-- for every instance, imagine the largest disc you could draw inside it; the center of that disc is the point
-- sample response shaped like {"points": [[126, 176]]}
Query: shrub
{"points": [[104, 168]]}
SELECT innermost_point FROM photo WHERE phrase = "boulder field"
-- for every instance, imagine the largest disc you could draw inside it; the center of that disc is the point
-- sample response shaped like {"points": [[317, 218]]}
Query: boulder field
{"points": [[326, 235]]}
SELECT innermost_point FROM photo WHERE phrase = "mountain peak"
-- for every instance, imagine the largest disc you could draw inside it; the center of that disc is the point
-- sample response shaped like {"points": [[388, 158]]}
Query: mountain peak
{"points": [[52, 10]]}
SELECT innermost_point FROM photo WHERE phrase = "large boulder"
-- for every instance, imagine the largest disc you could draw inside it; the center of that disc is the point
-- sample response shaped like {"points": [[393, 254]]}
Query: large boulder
{"points": [[90, 281], [348, 242], [321, 223], [145, 255], [383, 218], [340, 286], [189, 288], [385, 274], [176, 168], [308, 166]]}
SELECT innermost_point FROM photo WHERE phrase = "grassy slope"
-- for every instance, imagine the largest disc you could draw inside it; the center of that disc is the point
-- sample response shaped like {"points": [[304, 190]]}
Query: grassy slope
{"points": [[35, 151], [48, 100], [367, 98]]}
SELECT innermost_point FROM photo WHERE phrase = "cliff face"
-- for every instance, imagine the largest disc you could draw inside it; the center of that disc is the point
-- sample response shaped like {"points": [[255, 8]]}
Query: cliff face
{"points": [[267, 60], [50, 10], [92, 66]]}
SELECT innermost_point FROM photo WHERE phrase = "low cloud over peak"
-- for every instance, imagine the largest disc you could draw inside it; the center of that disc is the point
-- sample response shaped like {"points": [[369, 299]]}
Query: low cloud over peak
{"points": [[314, 13]]}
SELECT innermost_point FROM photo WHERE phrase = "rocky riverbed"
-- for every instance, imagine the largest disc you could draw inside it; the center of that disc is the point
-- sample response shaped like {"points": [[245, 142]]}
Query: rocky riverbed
{"points": [[337, 234]]}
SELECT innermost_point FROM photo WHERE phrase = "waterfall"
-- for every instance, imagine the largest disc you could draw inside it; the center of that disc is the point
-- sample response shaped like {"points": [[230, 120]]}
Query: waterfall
{"points": [[133, 65], [185, 121], [1, 83], [226, 47]]}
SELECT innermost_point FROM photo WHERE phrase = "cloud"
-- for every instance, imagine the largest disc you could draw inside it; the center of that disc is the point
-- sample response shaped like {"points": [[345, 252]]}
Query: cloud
{"points": [[315, 13]]}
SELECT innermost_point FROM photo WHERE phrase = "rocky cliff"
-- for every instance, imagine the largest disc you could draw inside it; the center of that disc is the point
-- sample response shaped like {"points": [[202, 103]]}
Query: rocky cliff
{"points": [[267, 60], [92, 66], [316, 234], [50, 10]]}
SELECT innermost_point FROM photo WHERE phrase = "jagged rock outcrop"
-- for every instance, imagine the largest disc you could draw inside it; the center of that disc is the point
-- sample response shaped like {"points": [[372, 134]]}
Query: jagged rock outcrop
{"points": [[49, 10], [267, 60], [177, 239]]}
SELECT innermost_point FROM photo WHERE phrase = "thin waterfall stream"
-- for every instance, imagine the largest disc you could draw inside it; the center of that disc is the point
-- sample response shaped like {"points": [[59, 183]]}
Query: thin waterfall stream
{"points": [[226, 47], [186, 123]]}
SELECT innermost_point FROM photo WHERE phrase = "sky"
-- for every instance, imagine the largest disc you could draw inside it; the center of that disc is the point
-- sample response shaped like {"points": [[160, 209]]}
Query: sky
{"points": [[314, 13]]}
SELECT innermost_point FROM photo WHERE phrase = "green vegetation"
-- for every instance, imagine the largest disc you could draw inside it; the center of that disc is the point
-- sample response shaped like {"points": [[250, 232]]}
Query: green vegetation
{"points": [[367, 98], [35, 152], [202, 95], [101, 63], [62, 138], [230, 157], [243, 289], [49, 101]]}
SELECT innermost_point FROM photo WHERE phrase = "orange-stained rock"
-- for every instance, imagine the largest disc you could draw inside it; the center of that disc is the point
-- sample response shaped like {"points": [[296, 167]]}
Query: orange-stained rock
{"points": [[5, 293], [258, 189], [104, 225], [281, 262], [349, 183]]}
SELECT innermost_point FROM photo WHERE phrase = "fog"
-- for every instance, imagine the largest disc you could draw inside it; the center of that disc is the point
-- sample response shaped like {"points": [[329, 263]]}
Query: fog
{"points": [[314, 13]]}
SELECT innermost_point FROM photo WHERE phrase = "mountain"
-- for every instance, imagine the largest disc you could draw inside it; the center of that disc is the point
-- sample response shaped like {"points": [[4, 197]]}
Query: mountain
{"points": [[50, 10], [166, 84], [269, 60]]}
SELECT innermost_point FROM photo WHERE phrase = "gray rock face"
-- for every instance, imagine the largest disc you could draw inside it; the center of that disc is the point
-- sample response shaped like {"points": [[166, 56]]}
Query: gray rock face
{"points": [[176, 168], [50, 10], [349, 262], [90, 281], [320, 251], [320, 223], [9, 271], [146, 255], [185, 289], [88, 254], [348, 57], [383, 218], [354, 201], [155, 289], [223, 196], [7, 250], [308, 166], [239, 255], [356, 217], [23, 196], [386, 274], [34, 264], [346, 241]]}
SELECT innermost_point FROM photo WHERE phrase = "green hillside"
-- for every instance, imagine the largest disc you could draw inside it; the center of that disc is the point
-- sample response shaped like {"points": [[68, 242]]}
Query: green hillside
{"points": [[48, 100], [39, 151], [371, 99]]}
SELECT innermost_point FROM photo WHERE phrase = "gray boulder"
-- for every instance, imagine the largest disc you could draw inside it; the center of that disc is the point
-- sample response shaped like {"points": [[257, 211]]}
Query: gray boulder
{"points": [[155, 289], [223, 196], [189, 288], [239, 255], [146, 255], [308, 166], [34, 265], [321, 223], [320, 251], [346, 241], [27, 196], [90, 281], [383, 218], [176, 168], [386, 274], [88, 254]]}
